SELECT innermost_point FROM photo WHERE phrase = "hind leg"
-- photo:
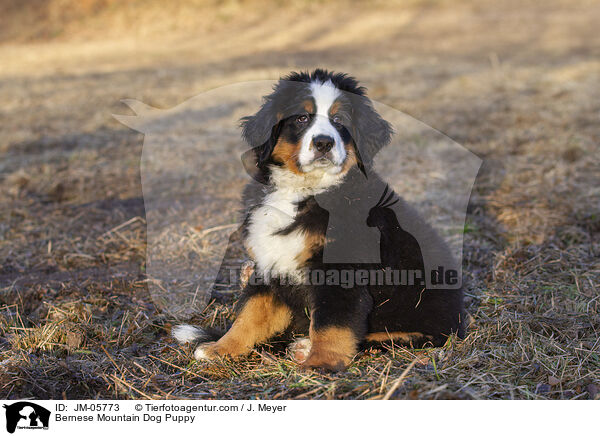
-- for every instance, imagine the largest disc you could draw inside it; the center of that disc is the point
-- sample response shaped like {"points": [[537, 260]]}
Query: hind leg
{"points": [[261, 317]]}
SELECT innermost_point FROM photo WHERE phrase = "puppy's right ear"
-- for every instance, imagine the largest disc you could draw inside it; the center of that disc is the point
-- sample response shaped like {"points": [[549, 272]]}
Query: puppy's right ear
{"points": [[262, 130]]}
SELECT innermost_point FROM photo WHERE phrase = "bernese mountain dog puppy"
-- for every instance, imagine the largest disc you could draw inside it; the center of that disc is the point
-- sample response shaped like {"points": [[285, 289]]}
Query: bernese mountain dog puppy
{"points": [[321, 214]]}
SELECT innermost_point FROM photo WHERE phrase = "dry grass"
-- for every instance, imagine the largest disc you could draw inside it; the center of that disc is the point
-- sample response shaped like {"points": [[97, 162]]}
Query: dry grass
{"points": [[516, 84]]}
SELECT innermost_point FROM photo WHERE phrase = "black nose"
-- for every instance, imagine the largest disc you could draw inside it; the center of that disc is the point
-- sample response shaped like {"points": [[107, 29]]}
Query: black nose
{"points": [[323, 143]]}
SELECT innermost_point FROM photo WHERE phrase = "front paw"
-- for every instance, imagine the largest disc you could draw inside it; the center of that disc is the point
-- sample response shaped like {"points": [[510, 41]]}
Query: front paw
{"points": [[327, 360], [300, 349]]}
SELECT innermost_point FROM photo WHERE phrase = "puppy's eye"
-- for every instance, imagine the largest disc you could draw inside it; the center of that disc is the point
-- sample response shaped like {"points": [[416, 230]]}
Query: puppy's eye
{"points": [[337, 120], [302, 119]]}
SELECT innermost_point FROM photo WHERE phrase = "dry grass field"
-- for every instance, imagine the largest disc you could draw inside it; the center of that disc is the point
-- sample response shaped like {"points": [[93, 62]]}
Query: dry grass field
{"points": [[516, 82]]}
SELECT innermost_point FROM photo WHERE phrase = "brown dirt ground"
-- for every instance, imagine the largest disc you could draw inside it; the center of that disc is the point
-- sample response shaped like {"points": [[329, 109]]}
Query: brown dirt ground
{"points": [[516, 82]]}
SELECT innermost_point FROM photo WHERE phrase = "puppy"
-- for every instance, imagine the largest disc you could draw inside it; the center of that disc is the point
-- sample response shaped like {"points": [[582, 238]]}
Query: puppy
{"points": [[333, 258]]}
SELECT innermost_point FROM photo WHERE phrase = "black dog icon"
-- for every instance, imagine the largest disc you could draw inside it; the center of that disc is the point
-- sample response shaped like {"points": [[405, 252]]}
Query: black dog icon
{"points": [[30, 413]]}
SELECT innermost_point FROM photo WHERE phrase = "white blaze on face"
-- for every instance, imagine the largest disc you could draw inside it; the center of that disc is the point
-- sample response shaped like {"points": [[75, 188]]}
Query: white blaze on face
{"points": [[325, 95]]}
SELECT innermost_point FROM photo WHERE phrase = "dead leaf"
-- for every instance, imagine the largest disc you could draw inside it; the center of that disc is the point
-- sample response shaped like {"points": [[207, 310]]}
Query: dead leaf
{"points": [[553, 381], [74, 339]]}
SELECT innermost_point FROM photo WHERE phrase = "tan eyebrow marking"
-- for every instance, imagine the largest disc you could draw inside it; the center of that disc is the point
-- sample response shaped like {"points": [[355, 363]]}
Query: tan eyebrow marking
{"points": [[309, 106], [335, 107]]}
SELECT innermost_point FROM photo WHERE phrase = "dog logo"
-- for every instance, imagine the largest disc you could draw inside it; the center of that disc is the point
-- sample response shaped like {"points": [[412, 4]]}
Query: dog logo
{"points": [[26, 415]]}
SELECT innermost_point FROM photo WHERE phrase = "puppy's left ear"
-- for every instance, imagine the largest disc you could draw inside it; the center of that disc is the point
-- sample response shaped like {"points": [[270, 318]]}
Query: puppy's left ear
{"points": [[370, 132], [262, 130]]}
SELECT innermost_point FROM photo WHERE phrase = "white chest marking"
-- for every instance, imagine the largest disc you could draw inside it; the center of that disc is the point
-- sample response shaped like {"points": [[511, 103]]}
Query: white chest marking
{"points": [[275, 254], [278, 254]]}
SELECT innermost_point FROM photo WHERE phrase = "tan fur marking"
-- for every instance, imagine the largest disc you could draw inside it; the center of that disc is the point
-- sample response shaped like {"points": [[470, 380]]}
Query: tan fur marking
{"points": [[332, 348], [388, 336], [350, 157], [261, 318], [312, 243], [335, 107], [286, 153], [309, 106]]}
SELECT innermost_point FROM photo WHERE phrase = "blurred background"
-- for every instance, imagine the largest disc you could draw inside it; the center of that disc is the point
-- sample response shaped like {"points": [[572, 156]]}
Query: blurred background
{"points": [[516, 82]]}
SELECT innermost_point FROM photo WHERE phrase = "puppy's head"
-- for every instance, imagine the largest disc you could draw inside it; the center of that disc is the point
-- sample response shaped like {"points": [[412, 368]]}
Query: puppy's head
{"points": [[317, 123]]}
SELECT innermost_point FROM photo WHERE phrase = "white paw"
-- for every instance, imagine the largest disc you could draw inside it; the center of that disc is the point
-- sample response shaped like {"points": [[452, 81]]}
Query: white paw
{"points": [[300, 349], [204, 352]]}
